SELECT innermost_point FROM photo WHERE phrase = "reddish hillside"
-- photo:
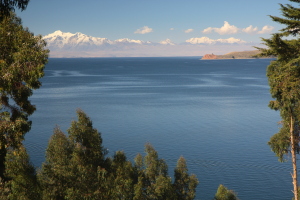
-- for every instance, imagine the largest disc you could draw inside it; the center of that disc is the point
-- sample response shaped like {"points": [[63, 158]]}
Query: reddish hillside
{"points": [[209, 56]]}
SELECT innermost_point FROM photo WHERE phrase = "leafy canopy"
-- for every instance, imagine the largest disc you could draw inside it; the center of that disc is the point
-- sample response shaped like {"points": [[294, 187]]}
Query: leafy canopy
{"points": [[22, 60]]}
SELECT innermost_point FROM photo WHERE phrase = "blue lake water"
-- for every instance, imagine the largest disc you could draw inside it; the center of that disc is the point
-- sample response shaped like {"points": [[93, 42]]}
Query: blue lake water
{"points": [[213, 112]]}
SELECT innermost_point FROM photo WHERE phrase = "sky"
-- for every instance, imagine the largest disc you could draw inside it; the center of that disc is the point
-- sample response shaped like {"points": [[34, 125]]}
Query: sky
{"points": [[155, 20]]}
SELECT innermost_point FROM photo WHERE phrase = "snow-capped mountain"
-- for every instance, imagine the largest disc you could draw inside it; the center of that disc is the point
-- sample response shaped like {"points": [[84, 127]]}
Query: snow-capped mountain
{"points": [[59, 39], [77, 41]]}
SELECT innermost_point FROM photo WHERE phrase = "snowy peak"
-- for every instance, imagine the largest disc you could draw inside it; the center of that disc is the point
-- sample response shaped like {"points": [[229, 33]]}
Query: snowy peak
{"points": [[58, 33], [60, 39], [126, 40]]}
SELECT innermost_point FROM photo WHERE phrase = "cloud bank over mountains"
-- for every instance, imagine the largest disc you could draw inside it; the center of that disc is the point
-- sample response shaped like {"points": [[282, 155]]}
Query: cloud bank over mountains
{"points": [[80, 45]]}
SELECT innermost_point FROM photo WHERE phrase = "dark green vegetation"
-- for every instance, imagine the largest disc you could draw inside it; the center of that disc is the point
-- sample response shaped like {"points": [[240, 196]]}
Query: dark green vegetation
{"points": [[22, 60], [224, 194], [284, 80], [76, 168]]}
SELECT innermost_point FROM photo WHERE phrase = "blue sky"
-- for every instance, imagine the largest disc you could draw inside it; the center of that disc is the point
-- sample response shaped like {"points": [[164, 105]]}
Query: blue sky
{"points": [[115, 19]]}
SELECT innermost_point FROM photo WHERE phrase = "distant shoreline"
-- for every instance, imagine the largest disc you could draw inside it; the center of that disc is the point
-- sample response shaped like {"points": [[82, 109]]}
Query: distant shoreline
{"points": [[233, 55]]}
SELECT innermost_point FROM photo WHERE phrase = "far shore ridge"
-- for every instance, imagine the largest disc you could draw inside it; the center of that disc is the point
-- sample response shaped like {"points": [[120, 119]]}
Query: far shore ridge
{"points": [[233, 55]]}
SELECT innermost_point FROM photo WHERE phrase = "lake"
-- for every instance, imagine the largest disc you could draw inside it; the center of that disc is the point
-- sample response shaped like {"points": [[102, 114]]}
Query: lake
{"points": [[213, 112]]}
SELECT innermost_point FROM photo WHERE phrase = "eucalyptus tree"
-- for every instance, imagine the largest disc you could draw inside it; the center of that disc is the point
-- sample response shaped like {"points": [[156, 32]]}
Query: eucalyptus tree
{"points": [[184, 184], [76, 168], [120, 178], [22, 181], [224, 194], [22, 60], [153, 180], [55, 176], [87, 157], [74, 163], [284, 80]]}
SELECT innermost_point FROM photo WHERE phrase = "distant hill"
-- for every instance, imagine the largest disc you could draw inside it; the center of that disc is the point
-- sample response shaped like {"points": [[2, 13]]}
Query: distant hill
{"points": [[233, 55]]}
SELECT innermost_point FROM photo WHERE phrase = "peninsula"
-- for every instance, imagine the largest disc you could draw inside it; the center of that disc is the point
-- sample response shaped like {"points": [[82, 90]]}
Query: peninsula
{"points": [[232, 55]]}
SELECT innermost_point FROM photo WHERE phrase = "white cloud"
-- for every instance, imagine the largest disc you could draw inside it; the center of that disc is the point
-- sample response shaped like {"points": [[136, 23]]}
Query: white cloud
{"points": [[207, 30], [144, 30], [250, 30], [254, 30], [266, 29], [225, 29], [167, 41], [231, 29], [189, 30], [206, 40], [202, 40], [171, 29], [231, 40]]}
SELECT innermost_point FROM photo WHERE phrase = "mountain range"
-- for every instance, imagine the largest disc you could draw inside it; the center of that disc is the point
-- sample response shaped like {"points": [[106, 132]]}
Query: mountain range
{"points": [[62, 44]]}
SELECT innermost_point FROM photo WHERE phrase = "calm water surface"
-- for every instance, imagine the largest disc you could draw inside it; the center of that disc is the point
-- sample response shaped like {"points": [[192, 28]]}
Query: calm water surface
{"points": [[212, 112]]}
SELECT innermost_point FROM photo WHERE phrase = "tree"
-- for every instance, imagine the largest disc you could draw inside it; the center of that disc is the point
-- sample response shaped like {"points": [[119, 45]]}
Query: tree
{"points": [[22, 182], [87, 140], [184, 184], [74, 163], [22, 60], [284, 80], [224, 194], [55, 175], [88, 155], [153, 180], [76, 168], [121, 178]]}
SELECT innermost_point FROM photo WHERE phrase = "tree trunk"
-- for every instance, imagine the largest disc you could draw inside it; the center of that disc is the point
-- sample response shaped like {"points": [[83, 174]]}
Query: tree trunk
{"points": [[294, 159]]}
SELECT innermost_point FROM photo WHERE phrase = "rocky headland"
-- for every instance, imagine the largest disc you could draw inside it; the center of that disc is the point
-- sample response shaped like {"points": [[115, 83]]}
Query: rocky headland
{"points": [[209, 56]]}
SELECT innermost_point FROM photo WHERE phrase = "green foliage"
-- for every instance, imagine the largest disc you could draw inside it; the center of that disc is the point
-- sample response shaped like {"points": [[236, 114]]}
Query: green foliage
{"points": [[291, 20], [76, 168], [122, 177], [22, 60], [284, 80], [153, 179], [280, 142], [22, 182], [87, 156], [55, 175], [86, 140], [184, 184], [73, 163], [224, 194]]}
